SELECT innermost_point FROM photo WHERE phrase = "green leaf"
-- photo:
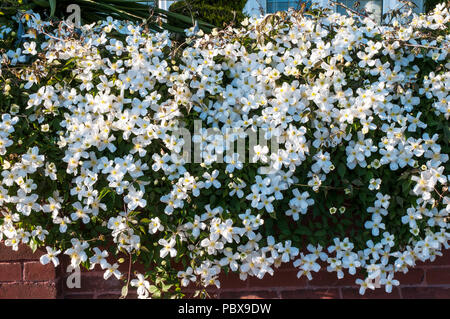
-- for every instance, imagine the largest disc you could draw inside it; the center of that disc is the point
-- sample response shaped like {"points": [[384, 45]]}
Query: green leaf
{"points": [[145, 249], [157, 294], [41, 3], [166, 288], [52, 7], [124, 292], [399, 201], [341, 169], [182, 18], [302, 230], [153, 289], [33, 245], [103, 192], [273, 215]]}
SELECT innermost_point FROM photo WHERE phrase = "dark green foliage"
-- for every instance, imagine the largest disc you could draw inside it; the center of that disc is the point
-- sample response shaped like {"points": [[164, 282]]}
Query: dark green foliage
{"points": [[219, 13], [431, 4], [96, 10], [233, 4]]}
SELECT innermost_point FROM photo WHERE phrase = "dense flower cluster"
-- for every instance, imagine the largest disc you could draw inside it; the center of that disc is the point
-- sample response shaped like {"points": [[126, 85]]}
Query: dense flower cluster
{"points": [[358, 113]]}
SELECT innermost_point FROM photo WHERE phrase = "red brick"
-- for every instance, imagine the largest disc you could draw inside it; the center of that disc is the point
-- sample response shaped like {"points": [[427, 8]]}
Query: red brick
{"points": [[331, 293], [232, 280], [378, 293], [64, 261], [248, 295], [212, 293], [426, 292], [227, 281], [24, 253], [438, 276], [28, 291], [287, 278], [94, 282], [284, 283], [192, 289], [35, 271], [443, 260], [285, 266], [415, 276], [10, 271], [123, 267], [209, 295], [116, 296], [79, 296], [325, 278]]}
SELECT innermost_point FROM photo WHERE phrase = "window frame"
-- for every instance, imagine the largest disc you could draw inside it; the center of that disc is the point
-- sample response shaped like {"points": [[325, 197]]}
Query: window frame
{"points": [[386, 5]]}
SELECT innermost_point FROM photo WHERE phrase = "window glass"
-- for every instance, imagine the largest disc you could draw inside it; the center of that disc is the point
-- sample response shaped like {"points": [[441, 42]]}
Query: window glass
{"points": [[279, 5], [372, 8], [419, 6]]}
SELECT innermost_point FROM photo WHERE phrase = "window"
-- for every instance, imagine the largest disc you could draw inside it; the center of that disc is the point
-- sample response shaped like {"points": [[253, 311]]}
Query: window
{"points": [[164, 4], [376, 8], [281, 5], [372, 8]]}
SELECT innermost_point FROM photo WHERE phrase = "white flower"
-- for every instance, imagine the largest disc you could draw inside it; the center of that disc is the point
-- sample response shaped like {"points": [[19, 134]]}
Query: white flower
{"points": [[112, 270], [30, 48], [155, 225], [296, 90], [389, 282], [50, 256], [364, 284], [143, 286], [167, 247], [260, 153], [374, 184], [186, 276], [210, 179]]}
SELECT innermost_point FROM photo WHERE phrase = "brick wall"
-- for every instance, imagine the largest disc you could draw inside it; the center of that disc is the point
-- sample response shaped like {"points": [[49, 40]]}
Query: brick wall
{"points": [[22, 276]]}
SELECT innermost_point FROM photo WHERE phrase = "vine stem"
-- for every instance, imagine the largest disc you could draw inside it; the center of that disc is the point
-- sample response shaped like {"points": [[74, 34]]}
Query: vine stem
{"points": [[129, 270], [128, 276], [325, 186], [419, 45], [440, 195], [351, 10]]}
